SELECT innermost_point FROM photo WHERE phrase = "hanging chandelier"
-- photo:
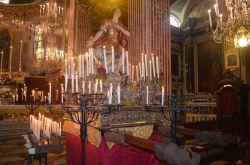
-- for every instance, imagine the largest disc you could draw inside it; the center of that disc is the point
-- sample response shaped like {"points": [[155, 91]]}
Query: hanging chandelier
{"points": [[48, 58], [232, 22], [51, 14]]}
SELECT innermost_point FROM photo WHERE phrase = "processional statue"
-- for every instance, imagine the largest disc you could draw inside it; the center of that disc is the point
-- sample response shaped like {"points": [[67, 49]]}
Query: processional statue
{"points": [[111, 33]]}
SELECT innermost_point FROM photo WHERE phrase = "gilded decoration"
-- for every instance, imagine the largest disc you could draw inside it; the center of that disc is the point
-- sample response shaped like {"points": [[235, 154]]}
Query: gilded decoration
{"points": [[140, 131], [94, 135]]}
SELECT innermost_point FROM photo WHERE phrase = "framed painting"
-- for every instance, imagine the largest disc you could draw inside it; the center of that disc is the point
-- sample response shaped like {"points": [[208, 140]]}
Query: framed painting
{"points": [[232, 59], [208, 66]]}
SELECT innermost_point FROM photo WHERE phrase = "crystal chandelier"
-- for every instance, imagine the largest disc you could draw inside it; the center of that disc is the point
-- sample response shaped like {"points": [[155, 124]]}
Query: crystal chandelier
{"points": [[234, 25], [51, 14], [48, 59]]}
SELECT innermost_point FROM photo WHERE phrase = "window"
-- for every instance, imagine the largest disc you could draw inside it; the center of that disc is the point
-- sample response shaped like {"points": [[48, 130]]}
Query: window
{"points": [[174, 21], [4, 1]]}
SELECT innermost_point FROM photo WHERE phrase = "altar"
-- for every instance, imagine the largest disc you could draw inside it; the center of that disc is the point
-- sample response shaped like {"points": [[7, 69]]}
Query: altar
{"points": [[104, 155], [100, 151]]}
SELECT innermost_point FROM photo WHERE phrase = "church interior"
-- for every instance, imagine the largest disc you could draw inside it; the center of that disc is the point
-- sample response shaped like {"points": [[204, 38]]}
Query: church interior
{"points": [[124, 82]]}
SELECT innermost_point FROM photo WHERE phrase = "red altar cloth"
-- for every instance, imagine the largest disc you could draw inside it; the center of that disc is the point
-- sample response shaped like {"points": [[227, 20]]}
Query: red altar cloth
{"points": [[117, 155]]}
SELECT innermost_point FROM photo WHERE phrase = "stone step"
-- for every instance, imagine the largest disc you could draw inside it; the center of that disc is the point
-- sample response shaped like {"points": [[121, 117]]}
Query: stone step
{"points": [[8, 147], [14, 160], [16, 152], [13, 125], [19, 141], [11, 136]]}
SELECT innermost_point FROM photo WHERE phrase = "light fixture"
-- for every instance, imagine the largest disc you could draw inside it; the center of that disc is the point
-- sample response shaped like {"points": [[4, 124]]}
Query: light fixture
{"points": [[233, 25], [48, 58]]}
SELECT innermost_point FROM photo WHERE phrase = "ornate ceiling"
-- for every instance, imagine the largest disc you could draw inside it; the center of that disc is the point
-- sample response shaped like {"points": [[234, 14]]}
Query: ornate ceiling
{"points": [[185, 9]]}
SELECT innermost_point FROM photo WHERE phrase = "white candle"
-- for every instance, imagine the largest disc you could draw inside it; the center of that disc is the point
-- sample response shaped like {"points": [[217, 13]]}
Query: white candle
{"points": [[83, 87], [210, 19], [82, 65], [87, 63], [146, 66], [79, 67], [162, 95], [217, 6], [140, 70], [60, 129], [42, 99], [101, 87], [66, 81], [157, 67], [118, 94], [147, 94], [110, 93], [216, 9], [89, 59], [50, 93], [220, 18], [142, 65], [137, 74], [62, 93], [65, 67], [76, 82], [113, 59], [127, 63], [89, 87], [231, 12], [143, 71], [123, 61], [132, 73], [95, 87], [150, 70], [92, 61], [72, 67], [72, 84], [105, 59], [153, 64]]}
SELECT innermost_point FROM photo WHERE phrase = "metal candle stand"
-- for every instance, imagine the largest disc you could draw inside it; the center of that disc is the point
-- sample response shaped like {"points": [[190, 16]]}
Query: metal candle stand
{"points": [[86, 107]]}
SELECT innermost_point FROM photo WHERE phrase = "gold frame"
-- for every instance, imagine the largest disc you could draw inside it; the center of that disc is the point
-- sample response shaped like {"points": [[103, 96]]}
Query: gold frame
{"points": [[232, 52]]}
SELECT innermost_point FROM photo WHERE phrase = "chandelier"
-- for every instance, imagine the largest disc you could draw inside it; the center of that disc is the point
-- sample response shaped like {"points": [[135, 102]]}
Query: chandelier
{"points": [[51, 14], [233, 25], [48, 58]]}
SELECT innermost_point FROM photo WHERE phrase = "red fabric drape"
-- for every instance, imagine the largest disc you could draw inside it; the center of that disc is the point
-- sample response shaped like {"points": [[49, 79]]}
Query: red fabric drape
{"points": [[117, 155], [229, 102]]}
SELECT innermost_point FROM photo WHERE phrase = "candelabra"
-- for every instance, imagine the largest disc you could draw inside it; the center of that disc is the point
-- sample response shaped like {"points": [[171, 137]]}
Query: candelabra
{"points": [[134, 104], [233, 24]]}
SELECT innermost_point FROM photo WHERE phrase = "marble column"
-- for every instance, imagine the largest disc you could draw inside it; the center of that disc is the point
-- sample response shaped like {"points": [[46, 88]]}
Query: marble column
{"points": [[71, 28], [148, 22]]}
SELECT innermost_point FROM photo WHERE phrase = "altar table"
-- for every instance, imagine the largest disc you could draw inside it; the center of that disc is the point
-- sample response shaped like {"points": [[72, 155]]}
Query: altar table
{"points": [[117, 155]]}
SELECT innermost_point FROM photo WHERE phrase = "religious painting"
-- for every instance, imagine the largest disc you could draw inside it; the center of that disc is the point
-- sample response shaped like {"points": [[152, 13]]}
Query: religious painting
{"points": [[209, 66], [175, 64], [232, 59]]}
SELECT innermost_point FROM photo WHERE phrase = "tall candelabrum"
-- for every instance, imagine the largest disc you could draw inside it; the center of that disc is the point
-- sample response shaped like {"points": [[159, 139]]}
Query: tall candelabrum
{"points": [[117, 95], [128, 99]]}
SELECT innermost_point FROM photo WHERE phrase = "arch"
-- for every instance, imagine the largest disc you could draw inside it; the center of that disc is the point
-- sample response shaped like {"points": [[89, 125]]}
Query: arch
{"points": [[174, 21]]}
